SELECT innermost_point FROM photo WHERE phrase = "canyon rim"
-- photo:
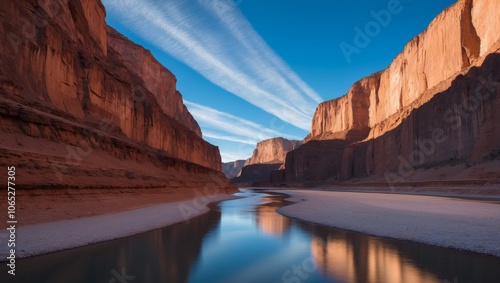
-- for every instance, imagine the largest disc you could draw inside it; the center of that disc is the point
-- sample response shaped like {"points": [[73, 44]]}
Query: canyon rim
{"points": [[224, 141]]}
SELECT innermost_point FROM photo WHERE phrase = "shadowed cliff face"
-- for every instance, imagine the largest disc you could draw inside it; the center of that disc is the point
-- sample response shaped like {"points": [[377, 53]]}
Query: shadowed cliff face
{"points": [[315, 160], [268, 156], [86, 91], [232, 169], [272, 151], [156, 79], [454, 41], [432, 106], [256, 173], [456, 125]]}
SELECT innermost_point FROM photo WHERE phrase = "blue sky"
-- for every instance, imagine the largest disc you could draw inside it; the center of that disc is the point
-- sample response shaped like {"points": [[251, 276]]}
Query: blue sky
{"points": [[253, 69]]}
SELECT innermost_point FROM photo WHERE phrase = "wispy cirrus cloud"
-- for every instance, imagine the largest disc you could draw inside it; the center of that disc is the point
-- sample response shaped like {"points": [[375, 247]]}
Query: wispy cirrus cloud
{"points": [[224, 126], [214, 38], [230, 156]]}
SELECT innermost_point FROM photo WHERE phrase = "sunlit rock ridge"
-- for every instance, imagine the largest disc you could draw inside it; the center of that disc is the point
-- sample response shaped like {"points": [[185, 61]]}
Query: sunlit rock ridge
{"points": [[77, 97], [269, 155], [232, 169], [435, 104]]}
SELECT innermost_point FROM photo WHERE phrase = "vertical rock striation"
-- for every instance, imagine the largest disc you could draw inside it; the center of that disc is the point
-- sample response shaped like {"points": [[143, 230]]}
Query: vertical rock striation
{"points": [[268, 156], [69, 80], [272, 151], [232, 169], [429, 91]]}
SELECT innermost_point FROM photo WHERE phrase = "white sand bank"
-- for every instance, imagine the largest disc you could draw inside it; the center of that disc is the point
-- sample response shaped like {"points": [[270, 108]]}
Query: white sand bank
{"points": [[54, 236], [448, 222]]}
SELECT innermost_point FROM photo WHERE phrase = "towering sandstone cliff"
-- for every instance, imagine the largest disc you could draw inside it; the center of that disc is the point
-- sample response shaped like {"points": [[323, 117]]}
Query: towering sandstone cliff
{"points": [[434, 104], [76, 97], [232, 169], [272, 151], [268, 156]]}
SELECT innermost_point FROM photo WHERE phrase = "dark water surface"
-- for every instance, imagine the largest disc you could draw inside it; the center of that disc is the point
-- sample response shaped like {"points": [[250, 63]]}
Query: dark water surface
{"points": [[245, 240]]}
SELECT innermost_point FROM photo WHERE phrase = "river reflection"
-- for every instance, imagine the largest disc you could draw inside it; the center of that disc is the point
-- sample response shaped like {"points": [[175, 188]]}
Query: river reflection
{"points": [[245, 240], [148, 257], [357, 258], [269, 221]]}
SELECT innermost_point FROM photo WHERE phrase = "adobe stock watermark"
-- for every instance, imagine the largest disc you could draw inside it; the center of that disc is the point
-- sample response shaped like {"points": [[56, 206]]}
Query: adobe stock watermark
{"points": [[203, 197], [120, 277], [29, 29], [407, 165], [363, 35], [486, 88], [224, 6], [76, 154], [298, 273], [274, 124]]}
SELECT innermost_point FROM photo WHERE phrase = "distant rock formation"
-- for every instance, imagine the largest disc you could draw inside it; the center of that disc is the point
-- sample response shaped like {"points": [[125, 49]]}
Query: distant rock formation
{"points": [[232, 169], [272, 151], [268, 156], [76, 97], [436, 103], [256, 174]]}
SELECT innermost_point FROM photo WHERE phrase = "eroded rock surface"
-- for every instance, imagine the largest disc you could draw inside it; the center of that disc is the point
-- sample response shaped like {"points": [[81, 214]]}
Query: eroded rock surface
{"points": [[433, 106], [269, 155], [233, 169], [82, 106]]}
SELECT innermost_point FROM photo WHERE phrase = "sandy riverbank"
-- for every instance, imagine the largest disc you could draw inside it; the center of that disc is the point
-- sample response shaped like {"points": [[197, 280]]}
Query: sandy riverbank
{"points": [[447, 222], [118, 216], [43, 205]]}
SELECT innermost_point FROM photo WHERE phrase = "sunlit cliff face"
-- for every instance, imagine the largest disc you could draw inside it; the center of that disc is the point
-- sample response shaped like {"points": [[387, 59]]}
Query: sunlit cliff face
{"points": [[271, 222], [365, 260]]}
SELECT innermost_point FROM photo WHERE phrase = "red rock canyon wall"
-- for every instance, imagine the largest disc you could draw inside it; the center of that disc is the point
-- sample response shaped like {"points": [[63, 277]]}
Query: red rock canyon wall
{"points": [[68, 78], [421, 96]]}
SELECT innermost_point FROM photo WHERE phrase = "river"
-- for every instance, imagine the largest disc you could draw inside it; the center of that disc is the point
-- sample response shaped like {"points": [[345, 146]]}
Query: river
{"points": [[246, 240]]}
